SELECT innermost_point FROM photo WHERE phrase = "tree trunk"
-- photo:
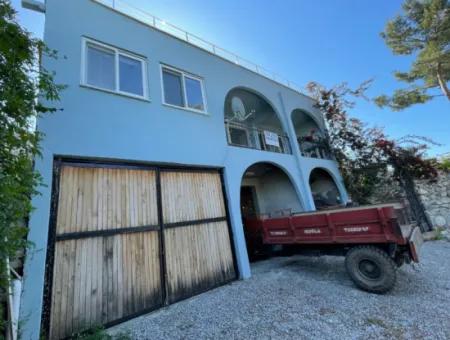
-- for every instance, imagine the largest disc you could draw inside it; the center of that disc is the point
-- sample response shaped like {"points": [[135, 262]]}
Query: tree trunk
{"points": [[442, 82]]}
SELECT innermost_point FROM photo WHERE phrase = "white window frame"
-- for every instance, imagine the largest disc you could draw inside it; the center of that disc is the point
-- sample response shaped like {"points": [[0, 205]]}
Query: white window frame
{"points": [[117, 53], [247, 135], [184, 75]]}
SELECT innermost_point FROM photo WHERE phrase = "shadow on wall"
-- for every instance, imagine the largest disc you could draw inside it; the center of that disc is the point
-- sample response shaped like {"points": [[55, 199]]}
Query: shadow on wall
{"points": [[267, 190], [324, 190]]}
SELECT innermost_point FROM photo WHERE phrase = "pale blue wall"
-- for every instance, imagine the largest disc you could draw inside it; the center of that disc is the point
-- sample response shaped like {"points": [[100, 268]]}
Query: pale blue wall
{"points": [[99, 124]]}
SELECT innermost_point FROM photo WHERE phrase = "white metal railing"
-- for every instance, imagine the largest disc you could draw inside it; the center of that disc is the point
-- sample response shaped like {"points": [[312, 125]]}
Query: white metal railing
{"points": [[146, 18], [254, 138]]}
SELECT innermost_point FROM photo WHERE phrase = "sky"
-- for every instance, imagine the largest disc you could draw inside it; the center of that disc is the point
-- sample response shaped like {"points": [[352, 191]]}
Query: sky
{"points": [[326, 41]]}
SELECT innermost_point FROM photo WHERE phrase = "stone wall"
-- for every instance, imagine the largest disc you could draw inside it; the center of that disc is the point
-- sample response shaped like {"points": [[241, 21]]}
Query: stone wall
{"points": [[436, 199]]}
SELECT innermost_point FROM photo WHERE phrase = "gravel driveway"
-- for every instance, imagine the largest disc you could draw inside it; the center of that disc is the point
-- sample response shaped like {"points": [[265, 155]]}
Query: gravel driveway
{"points": [[307, 297]]}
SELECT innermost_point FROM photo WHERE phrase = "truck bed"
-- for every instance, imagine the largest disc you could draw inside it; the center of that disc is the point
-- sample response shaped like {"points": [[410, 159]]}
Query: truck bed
{"points": [[365, 224]]}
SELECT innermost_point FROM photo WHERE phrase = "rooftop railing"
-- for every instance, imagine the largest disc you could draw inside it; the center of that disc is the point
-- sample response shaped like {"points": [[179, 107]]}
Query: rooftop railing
{"points": [[146, 18]]}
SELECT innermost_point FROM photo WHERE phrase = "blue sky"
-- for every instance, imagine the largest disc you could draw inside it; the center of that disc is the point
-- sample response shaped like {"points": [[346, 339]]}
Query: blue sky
{"points": [[327, 41]]}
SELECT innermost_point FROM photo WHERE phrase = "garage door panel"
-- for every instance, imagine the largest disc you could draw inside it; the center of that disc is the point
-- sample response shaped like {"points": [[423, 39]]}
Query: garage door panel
{"points": [[198, 257], [129, 240], [92, 199], [189, 196], [99, 280]]}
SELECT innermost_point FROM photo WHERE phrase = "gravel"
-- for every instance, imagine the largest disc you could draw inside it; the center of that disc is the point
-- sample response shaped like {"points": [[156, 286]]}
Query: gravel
{"points": [[305, 297]]}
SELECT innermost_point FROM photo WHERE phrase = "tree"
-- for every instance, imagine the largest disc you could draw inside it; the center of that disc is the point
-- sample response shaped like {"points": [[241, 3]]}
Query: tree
{"points": [[21, 80], [366, 155], [349, 139], [423, 31]]}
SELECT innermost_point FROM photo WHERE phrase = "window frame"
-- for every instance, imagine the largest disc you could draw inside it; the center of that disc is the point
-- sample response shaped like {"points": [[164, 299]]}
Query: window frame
{"points": [[86, 42], [241, 128], [184, 75]]}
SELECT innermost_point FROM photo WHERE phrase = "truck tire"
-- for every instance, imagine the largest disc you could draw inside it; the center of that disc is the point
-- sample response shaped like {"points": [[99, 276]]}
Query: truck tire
{"points": [[371, 269]]}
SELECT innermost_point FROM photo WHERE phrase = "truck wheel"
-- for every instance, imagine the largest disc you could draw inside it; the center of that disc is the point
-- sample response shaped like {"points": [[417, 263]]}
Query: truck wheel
{"points": [[371, 269]]}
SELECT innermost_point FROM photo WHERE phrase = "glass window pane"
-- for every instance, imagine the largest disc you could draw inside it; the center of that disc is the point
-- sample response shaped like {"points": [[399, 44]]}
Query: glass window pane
{"points": [[238, 136], [173, 91], [130, 71], [194, 94], [100, 68]]}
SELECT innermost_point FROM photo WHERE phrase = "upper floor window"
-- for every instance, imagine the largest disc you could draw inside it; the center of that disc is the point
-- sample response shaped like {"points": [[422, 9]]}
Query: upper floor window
{"points": [[111, 69], [182, 89]]}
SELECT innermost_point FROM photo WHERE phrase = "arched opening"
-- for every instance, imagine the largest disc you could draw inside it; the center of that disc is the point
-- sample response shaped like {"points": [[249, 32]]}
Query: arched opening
{"points": [[251, 122], [266, 191], [310, 137], [325, 192]]}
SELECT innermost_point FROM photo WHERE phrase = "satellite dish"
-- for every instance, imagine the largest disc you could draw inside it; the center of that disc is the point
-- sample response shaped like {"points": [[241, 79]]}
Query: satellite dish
{"points": [[238, 109]]}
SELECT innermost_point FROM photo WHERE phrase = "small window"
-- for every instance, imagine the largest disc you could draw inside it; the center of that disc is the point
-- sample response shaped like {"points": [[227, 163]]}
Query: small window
{"points": [[173, 88], [238, 136], [130, 71], [182, 90], [194, 94], [111, 69], [100, 67]]}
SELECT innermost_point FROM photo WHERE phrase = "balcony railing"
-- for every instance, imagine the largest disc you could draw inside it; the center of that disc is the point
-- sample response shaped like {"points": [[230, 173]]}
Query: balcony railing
{"points": [[146, 18], [314, 148], [242, 135]]}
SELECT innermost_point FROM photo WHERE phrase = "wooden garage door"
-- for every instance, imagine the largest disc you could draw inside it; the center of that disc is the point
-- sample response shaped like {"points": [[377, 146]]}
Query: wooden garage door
{"points": [[197, 243], [127, 240]]}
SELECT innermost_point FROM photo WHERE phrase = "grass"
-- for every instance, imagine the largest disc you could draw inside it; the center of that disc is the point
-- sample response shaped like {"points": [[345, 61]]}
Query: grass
{"points": [[389, 331], [376, 322], [439, 236], [99, 333]]}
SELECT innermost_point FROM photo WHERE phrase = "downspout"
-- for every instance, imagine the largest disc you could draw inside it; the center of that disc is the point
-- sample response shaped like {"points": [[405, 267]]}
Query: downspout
{"points": [[305, 192]]}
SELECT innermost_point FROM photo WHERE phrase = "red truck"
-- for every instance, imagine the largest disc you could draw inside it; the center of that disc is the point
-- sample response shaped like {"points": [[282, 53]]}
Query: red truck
{"points": [[375, 240]]}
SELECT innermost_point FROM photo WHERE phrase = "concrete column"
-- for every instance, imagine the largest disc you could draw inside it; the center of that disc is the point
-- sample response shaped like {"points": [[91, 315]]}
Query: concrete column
{"points": [[306, 197], [34, 268], [233, 186]]}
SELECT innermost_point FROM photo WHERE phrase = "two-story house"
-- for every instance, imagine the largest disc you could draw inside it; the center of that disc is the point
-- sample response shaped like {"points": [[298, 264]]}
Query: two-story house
{"points": [[165, 142]]}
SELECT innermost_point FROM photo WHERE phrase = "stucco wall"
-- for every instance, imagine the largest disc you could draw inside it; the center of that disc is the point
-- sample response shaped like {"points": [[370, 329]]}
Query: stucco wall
{"points": [[103, 125], [278, 193]]}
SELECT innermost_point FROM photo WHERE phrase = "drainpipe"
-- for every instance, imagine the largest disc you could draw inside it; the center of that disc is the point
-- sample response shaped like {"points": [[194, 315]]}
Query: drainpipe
{"points": [[305, 191]]}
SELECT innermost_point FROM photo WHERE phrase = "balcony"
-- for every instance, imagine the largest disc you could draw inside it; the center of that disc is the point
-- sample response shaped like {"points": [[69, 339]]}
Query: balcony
{"points": [[314, 148], [255, 138], [251, 122], [310, 135]]}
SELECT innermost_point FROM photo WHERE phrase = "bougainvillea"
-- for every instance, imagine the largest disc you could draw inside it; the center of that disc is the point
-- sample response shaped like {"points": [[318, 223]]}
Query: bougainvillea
{"points": [[365, 154]]}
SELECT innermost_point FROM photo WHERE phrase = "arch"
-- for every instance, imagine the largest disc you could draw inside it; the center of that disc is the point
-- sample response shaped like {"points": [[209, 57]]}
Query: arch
{"points": [[252, 121], [325, 188], [309, 115], [267, 190], [310, 135]]}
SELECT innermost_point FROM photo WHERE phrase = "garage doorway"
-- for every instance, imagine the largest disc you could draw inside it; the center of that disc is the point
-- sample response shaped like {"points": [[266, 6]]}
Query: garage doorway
{"points": [[127, 239]]}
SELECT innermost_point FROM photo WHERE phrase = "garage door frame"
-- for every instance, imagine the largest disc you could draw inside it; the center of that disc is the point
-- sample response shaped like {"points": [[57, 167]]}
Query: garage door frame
{"points": [[60, 161]]}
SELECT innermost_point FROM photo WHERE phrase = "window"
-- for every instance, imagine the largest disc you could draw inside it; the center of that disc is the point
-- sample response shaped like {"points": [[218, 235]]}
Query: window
{"points": [[100, 67], [111, 69], [182, 90], [173, 88], [194, 94], [238, 136]]}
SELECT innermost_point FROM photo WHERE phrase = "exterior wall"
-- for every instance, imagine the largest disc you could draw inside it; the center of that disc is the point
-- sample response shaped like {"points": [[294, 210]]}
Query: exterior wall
{"points": [[103, 125]]}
